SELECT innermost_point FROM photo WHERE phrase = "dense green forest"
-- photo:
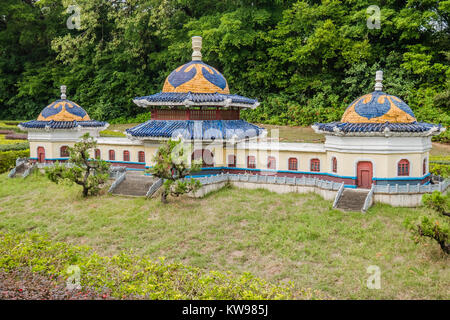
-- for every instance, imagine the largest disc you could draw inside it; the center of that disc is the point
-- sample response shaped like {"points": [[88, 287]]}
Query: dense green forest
{"points": [[305, 61]]}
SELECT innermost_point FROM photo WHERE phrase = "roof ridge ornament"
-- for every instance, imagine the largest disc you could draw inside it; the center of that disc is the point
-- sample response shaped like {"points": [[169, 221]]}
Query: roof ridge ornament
{"points": [[63, 92], [197, 47], [379, 80]]}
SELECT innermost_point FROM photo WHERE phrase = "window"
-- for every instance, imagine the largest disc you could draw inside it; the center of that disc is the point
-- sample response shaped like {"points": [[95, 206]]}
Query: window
{"points": [[334, 164], [251, 163], [126, 155], [97, 154], [315, 165], [141, 156], [293, 164], [403, 168], [425, 166], [64, 151], [271, 163], [112, 155], [231, 161]]}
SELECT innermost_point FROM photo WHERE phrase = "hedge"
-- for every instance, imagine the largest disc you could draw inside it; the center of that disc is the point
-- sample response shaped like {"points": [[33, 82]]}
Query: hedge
{"points": [[8, 158], [15, 146], [126, 274]]}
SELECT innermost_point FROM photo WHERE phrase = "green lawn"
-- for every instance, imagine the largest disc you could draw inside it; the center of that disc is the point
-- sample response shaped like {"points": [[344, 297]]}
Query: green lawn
{"points": [[290, 237]]}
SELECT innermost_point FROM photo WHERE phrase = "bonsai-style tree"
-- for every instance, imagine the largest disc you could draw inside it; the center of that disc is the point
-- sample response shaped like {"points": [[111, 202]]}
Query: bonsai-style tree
{"points": [[84, 171], [172, 164], [436, 227]]}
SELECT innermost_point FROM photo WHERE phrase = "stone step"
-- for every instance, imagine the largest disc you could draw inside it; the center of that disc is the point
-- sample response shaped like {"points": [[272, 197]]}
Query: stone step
{"points": [[134, 185], [352, 200]]}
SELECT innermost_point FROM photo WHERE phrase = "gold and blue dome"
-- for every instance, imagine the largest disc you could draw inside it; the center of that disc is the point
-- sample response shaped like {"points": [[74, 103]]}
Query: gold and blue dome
{"points": [[378, 113], [196, 84], [378, 107], [62, 114], [196, 77], [63, 110]]}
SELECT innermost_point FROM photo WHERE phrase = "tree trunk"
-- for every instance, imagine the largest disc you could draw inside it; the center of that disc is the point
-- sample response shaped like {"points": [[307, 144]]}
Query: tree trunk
{"points": [[85, 191], [164, 197]]}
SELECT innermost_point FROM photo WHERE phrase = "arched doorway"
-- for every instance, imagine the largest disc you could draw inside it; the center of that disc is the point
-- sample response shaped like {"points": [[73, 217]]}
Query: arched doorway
{"points": [[41, 154], [364, 174], [206, 155]]}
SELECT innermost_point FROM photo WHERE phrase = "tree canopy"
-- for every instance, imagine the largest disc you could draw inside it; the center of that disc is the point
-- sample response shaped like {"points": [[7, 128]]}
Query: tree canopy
{"points": [[305, 61]]}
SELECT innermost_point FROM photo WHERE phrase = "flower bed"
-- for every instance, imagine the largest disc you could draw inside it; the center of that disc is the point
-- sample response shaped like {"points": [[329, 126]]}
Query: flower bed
{"points": [[129, 275]]}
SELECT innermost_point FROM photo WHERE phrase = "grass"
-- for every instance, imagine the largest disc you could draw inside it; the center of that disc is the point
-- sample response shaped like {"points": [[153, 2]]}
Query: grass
{"points": [[289, 237]]}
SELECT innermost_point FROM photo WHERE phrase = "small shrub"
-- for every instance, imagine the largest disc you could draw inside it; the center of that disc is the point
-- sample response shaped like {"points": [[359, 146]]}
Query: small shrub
{"points": [[8, 158], [15, 146], [127, 274], [436, 201], [16, 136]]}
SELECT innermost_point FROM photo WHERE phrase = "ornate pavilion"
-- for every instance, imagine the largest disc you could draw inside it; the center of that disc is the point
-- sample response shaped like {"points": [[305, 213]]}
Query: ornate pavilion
{"points": [[377, 141]]}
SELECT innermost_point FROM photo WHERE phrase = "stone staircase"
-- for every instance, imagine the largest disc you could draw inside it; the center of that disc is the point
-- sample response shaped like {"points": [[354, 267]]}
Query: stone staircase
{"points": [[352, 200], [134, 185]]}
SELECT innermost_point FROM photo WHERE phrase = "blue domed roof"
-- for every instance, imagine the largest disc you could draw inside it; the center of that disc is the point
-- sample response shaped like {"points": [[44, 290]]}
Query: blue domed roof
{"points": [[378, 107], [196, 77], [63, 110]]}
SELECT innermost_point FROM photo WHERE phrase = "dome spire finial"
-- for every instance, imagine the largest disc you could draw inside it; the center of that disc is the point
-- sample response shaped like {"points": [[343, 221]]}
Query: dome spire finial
{"points": [[63, 92], [196, 46], [379, 80]]}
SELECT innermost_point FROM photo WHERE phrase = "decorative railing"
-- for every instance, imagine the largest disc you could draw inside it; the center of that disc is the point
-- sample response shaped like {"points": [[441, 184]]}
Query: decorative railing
{"points": [[323, 184], [303, 181], [154, 187], [338, 195], [116, 182], [369, 199], [412, 188]]}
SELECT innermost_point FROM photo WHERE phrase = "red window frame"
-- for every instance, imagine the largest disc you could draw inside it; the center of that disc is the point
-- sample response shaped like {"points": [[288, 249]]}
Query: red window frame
{"points": [[141, 156], [231, 161], [271, 163], [251, 162], [425, 166], [293, 164], [315, 165], [64, 151], [126, 155], [97, 154], [403, 168], [112, 155], [334, 164]]}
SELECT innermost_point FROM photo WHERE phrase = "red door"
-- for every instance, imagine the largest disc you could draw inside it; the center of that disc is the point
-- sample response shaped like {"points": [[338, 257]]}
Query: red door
{"points": [[364, 174], [41, 154]]}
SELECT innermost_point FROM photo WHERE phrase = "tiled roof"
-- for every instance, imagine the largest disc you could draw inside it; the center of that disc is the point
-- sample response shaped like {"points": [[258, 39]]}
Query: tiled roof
{"points": [[36, 124], [195, 98], [347, 127], [196, 130]]}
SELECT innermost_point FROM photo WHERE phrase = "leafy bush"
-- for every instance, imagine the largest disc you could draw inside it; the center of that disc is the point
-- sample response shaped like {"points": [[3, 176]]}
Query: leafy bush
{"points": [[16, 136], [434, 229], [440, 166], [15, 146], [436, 201], [127, 274], [8, 158]]}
